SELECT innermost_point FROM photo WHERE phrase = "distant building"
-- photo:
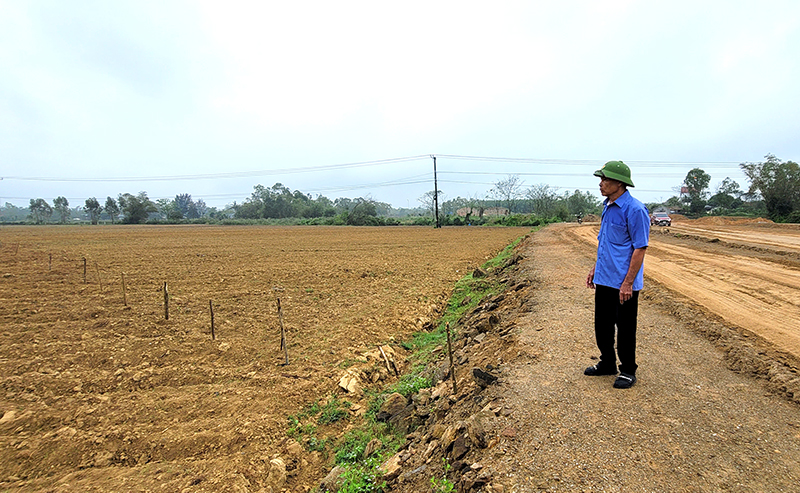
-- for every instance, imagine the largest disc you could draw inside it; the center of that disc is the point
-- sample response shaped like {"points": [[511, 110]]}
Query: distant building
{"points": [[482, 212]]}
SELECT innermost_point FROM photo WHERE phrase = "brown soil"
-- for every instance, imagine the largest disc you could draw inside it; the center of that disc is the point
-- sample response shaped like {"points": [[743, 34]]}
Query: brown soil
{"points": [[98, 396], [721, 220], [716, 408], [717, 404]]}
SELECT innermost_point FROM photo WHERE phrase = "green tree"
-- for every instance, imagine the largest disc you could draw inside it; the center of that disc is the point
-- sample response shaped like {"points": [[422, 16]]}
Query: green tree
{"points": [[727, 196], [165, 208], [729, 187], [450, 206], [61, 205], [136, 208], [343, 205], [696, 183], [319, 207], [363, 213], [543, 200], [112, 209], [201, 208], [673, 202], [275, 202], [186, 206], [40, 210], [582, 203], [778, 183], [11, 212], [93, 208]]}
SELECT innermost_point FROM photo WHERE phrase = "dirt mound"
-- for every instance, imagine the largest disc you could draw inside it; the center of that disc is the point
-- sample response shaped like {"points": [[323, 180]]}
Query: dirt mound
{"points": [[456, 433], [722, 220]]}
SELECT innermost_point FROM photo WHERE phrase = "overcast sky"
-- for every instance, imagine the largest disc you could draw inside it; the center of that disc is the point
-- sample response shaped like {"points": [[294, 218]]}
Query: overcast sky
{"points": [[99, 98]]}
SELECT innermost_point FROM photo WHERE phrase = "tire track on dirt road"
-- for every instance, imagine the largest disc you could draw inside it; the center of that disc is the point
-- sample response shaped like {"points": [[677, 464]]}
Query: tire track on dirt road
{"points": [[785, 239]]}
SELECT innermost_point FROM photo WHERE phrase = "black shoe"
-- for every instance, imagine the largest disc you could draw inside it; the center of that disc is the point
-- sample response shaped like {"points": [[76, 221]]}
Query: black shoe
{"points": [[624, 381], [597, 370]]}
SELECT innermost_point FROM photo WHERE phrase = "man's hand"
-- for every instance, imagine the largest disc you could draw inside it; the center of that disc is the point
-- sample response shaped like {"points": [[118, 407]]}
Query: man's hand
{"points": [[625, 292], [590, 279]]}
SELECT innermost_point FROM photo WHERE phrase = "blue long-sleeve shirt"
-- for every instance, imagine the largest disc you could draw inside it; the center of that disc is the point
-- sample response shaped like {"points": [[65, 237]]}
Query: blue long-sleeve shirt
{"points": [[625, 227]]}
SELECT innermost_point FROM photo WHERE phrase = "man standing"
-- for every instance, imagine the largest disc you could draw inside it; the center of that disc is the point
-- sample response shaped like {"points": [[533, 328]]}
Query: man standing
{"points": [[617, 275]]}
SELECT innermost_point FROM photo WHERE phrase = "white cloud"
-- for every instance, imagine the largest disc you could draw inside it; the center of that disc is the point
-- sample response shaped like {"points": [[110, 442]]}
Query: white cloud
{"points": [[175, 87]]}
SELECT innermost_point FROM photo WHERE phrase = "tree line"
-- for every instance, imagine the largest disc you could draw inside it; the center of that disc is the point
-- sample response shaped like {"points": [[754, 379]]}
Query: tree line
{"points": [[774, 191], [276, 202]]}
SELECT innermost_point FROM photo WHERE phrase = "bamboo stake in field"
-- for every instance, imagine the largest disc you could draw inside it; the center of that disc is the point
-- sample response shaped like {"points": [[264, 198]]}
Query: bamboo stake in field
{"points": [[166, 302], [50, 264], [99, 279], [283, 335], [450, 352], [390, 366], [84, 270], [211, 309], [124, 293], [385, 359]]}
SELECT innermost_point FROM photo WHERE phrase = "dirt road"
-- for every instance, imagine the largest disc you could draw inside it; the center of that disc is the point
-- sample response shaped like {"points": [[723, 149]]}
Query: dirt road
{"points": [[690, 423]]}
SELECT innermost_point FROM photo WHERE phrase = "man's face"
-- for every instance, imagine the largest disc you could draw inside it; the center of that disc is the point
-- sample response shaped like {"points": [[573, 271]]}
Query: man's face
{"points": [[609, 187]]}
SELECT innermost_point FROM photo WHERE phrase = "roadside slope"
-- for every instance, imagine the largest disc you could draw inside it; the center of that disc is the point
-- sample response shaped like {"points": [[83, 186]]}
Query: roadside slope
{"points": [[690, 423]]}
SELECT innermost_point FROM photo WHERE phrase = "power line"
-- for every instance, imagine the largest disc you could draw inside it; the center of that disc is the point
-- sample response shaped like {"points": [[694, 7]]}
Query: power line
{"points": [[310, 169], [215, 176], [414, 180], [494, 173], [591, 189], [595, 162]]}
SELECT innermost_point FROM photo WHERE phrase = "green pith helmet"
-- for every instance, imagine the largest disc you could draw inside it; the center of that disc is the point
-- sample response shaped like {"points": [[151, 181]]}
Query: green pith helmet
{"points": [[616, 170]]}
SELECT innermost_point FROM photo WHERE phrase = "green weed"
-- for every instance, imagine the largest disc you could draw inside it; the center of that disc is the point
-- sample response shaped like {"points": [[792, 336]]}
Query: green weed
{"points": [[352, 447], [333, 411], [443, 485], [363, 478], [411, 383]]}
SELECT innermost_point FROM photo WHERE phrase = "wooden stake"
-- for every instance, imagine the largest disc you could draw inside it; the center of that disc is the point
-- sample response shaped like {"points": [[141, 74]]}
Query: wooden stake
{"points": [[390, 366], [211, 309], [166, 302], [283, 335], [385, 359], [84, 270], [50, 265], [99, 279], [450, 352], [124, 294]]}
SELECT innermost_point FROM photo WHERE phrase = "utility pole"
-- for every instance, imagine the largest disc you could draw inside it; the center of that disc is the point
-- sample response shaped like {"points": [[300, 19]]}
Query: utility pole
{"points": [[435, 194]]}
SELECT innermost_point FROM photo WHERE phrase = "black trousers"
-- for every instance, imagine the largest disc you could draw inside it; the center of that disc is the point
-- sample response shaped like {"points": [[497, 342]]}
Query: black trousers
{"points": [[608, 315]]}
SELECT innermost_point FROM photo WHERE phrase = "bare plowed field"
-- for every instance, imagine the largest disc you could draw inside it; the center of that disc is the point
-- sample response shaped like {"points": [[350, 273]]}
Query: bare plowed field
{"points": [[96, 395]]}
